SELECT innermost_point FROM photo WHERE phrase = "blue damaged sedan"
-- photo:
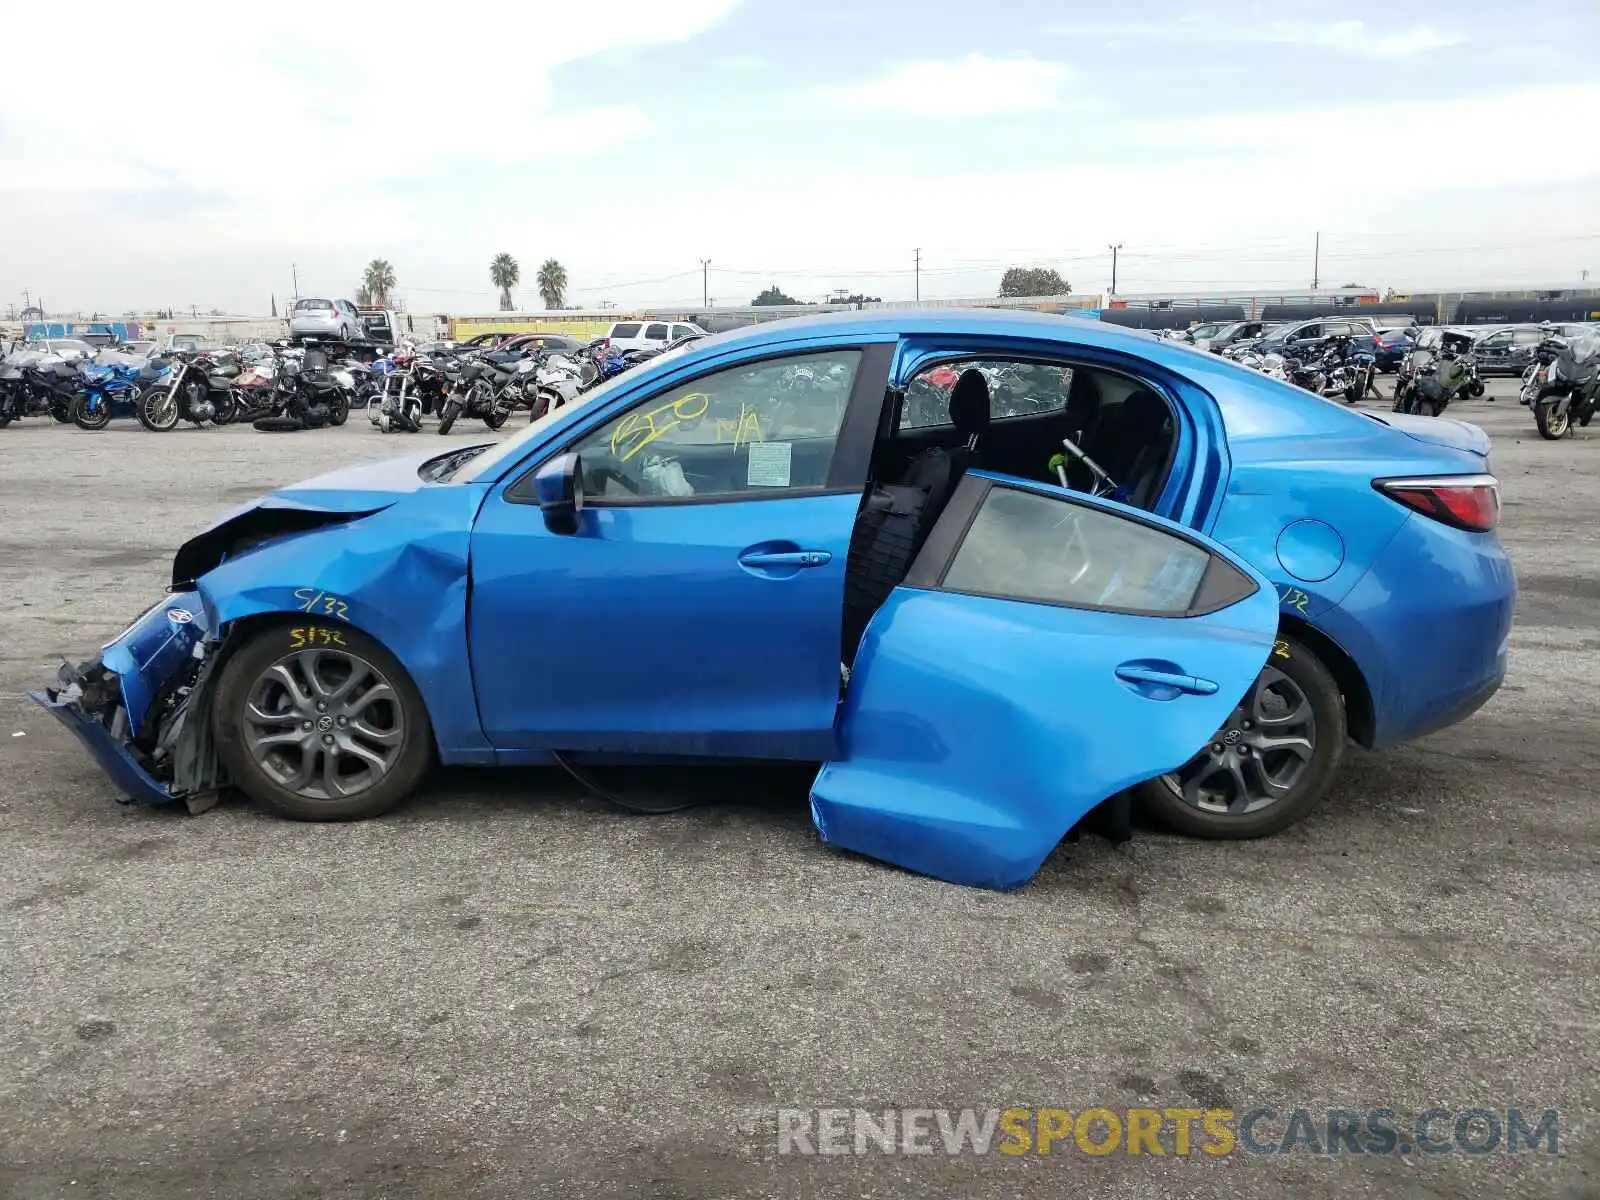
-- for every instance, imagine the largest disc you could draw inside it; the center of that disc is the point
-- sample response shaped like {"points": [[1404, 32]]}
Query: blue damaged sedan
{"points": [[987, 569]]}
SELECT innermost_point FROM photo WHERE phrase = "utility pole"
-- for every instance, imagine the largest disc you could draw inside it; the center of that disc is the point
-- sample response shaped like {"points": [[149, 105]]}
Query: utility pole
{"points": [[294, 271], [917, 260], [705, 282], [1114, 250], [1316, 261]]}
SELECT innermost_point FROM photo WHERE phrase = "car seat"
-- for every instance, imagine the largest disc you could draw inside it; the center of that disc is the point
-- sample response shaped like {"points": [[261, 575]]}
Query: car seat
{"points": [[938, 469], [1131, 444], [895, 518]]}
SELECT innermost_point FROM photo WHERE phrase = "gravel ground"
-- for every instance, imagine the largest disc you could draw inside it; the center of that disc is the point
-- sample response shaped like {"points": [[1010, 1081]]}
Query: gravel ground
{"points": [[508, 990]]}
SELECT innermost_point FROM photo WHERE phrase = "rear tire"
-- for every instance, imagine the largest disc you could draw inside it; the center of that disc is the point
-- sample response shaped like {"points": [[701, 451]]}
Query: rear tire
{"points": [[261, 760], [1290, 669], [496, 419], [225, 409]]}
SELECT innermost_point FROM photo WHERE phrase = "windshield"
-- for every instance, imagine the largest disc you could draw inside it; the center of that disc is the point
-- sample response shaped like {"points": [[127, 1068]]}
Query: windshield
{"points": [[487, 462]]}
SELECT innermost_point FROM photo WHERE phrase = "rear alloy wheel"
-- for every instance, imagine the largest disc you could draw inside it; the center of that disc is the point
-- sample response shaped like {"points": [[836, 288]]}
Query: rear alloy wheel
{"points": [[1269, 765], [320, 723]]}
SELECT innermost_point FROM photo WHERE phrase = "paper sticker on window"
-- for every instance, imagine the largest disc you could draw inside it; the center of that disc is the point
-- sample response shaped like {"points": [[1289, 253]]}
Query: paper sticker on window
{"points": [[769, 464]]}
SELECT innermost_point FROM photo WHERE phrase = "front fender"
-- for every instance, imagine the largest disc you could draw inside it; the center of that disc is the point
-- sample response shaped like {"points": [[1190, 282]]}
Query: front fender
{"points": [[399, 575]]}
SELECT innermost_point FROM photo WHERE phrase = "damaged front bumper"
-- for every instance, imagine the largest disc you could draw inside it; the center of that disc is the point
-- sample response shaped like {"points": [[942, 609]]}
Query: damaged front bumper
{"points": [[113, 752], [130, 707]]}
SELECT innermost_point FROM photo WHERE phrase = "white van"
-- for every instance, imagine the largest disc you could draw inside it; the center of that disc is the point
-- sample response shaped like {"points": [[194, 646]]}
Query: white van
{"points": [[650, 335]]}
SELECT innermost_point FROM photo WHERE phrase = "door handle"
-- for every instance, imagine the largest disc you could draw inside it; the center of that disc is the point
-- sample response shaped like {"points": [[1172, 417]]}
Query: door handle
{"points": [[786, 558], [1191, 684]]}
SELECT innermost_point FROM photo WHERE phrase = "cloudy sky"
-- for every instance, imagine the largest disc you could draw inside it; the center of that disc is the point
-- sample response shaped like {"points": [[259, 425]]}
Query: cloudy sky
{"points": [[196, 153]]}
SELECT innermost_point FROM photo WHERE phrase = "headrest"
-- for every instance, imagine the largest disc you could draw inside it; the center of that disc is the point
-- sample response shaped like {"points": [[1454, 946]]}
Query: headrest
{"points": [[969, 403]]}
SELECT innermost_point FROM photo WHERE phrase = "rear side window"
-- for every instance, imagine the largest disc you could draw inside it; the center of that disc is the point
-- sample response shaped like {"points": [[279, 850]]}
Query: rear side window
{"points": [[1015, 390], [625, 330], [679, 331], [656, 333], [1046, 549]]}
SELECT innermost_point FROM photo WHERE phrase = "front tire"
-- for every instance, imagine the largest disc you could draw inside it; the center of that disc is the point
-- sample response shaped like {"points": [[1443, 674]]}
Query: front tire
{"points": [[338, 409], [92, 419], [448, 415], [1553, 426], [1270, 765], [316, 721], [157, 409]]}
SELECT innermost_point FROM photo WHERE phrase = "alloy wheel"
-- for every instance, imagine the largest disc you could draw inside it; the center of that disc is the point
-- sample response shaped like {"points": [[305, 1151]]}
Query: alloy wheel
{"points": [[325, 724], [1258, 757]]}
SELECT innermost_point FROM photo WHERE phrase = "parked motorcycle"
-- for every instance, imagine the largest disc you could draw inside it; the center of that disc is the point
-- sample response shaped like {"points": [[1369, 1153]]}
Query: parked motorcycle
{"points": [[306, 395], [102, 387], [197, 388], [1437, 372], [1571, 389], [488, 390]]}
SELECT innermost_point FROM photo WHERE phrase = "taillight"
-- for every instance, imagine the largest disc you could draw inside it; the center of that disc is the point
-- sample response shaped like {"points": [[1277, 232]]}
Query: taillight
{"points": [[1464, 501]]}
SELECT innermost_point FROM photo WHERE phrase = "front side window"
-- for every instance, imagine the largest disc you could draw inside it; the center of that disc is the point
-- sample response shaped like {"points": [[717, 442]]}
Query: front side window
{"points": [[1026, 546], [756, 429]]}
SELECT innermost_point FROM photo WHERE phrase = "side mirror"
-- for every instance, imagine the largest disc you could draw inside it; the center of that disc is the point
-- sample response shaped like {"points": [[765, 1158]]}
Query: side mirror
{"points": [[559, 487]]}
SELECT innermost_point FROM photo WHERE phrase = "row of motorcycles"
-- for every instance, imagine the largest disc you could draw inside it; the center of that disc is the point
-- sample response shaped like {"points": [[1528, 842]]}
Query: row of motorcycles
{"points": [[1561, 385], [271, 386], [1337, 370], [283, 388], [486, 384]]}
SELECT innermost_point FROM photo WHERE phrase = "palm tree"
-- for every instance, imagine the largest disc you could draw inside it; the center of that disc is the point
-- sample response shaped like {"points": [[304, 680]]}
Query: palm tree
{"points": [[378, 280], [552, 283], [504, 273]]}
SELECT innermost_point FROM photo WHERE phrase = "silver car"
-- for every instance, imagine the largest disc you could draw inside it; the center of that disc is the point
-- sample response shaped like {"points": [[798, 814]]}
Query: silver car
{"points": [[335, 319]]}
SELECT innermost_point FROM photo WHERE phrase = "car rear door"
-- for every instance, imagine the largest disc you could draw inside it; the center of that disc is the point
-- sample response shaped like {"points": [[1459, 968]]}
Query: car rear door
{"points": [[1046, 651]]}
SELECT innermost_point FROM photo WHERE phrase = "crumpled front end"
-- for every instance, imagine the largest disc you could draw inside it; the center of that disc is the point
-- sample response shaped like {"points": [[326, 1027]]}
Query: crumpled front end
{"points": [[130, 707]]}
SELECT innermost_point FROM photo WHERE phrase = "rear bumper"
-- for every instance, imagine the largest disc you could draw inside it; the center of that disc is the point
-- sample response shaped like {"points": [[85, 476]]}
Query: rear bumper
{"points": [[1429, 626], [113, 756]]}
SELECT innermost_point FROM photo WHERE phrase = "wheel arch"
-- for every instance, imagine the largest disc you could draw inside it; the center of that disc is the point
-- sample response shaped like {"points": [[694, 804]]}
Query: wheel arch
{"points": [[1353, 687]]}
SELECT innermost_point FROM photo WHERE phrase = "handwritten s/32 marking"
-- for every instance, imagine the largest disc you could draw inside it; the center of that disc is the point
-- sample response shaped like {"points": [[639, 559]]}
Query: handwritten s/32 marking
{"points": [[322, 604], [314, 635]]}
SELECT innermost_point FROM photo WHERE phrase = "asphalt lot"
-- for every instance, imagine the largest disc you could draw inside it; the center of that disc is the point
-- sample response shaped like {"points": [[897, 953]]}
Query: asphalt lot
{"points": [[506, 989]]}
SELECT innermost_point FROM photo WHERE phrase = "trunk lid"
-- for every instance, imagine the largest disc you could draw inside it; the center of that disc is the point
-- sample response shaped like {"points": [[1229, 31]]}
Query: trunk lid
{"points": [[1437, 431]]}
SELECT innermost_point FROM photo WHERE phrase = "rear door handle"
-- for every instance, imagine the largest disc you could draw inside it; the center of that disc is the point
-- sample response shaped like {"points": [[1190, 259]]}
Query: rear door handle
{"points": [[786, 558], [1191, 684]]}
